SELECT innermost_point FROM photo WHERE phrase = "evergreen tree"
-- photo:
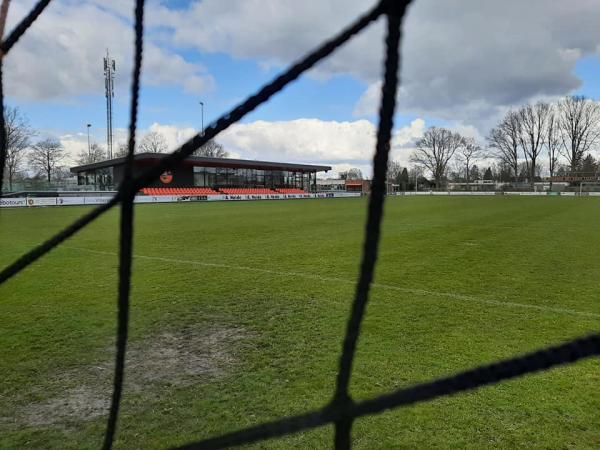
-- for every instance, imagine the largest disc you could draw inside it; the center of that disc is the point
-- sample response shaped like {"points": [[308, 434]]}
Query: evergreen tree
{"points": [[589, 164], [488, 174], [403, 179]]}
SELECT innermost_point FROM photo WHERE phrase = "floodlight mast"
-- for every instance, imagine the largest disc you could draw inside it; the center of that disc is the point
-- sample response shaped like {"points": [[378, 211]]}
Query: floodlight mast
{"points": [[202, 116], [89, 147], [109, 84]]}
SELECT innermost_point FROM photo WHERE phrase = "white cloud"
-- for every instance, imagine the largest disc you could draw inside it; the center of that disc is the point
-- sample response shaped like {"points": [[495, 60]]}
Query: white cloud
{"points": [[302, 140], [60, 56], [175, 136], [369, 101], [407, 135], [462, 60], [340, 144], [273, 32], [73, 144]]}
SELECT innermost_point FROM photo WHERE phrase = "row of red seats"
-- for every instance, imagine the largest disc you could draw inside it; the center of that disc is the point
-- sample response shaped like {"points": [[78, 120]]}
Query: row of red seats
{"points": [[239, 191], [179, 191], [209, 191], [291, 191]]}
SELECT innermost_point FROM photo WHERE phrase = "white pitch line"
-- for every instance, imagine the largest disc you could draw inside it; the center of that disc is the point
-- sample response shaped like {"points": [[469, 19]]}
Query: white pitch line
{"points": [[460, 297]]}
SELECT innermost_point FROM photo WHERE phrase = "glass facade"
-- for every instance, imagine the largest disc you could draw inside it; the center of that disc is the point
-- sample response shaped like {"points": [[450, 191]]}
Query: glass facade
{"points": [[101, 179], [221, 177], [108, 178]]}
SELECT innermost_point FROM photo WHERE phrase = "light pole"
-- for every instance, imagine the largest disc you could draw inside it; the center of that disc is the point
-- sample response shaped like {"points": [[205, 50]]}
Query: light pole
{"points": [[89, 148], [202, 116], [109, 81]]}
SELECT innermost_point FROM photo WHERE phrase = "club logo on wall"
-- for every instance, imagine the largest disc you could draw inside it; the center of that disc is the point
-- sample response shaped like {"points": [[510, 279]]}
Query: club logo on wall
{"points": [[166, 177]]}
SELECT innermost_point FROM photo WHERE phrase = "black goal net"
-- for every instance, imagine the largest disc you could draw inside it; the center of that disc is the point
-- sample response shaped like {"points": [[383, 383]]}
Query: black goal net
{"points": [[342, 410]]}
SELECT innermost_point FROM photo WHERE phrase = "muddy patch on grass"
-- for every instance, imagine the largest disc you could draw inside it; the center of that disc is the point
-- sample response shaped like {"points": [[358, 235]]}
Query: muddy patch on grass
{"points": [[171, 359], [77, 404], [181, 359]]}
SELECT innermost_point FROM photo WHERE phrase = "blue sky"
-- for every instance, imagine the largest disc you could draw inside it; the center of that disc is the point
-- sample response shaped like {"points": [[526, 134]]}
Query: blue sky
{"points": [[330, 99], [588, 70], [457, 71]]}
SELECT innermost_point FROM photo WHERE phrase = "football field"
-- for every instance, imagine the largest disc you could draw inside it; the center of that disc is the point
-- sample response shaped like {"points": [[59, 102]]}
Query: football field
{"points": [[238, 311]]}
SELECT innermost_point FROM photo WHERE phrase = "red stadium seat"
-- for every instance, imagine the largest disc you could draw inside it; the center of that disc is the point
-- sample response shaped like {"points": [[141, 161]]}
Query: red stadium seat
{"points": [[247, 191], [194, 191], [291, 191]]}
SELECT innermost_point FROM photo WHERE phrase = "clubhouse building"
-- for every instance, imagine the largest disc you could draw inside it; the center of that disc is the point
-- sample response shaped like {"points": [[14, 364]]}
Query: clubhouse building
{"points": [[205, 174]]}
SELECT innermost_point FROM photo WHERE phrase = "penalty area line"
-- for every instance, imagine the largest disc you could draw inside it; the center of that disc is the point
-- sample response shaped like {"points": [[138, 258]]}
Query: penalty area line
{"points": [[422, 292]]}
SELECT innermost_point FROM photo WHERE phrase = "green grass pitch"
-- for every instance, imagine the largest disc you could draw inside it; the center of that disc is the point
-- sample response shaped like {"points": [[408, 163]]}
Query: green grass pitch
{"points": [[239, 308]]}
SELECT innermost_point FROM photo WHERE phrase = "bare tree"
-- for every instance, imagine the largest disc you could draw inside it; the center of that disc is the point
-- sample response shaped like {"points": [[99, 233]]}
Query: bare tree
{"points": [[351, 174], [415, 173], [95, 154], [121, 150], [355, 174], [579, 125], [533, 119], [62, 173], [469, 152], [455, 171], [18, 136], [504, 138], [394, 171], [46, 157], [153, 142], [435, 149], [212, 149], [553, 142]]}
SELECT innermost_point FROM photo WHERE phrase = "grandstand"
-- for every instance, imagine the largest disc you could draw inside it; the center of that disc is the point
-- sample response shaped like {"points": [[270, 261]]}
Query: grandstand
{"points": [[197, 175], [179, 191]]}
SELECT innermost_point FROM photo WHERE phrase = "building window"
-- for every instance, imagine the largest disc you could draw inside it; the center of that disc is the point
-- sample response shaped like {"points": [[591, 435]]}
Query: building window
{"points": [[199, 177]]}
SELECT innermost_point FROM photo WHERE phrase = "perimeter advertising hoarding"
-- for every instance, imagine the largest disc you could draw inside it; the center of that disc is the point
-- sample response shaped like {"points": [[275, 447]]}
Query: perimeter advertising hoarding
{"points": [[13, 202]]}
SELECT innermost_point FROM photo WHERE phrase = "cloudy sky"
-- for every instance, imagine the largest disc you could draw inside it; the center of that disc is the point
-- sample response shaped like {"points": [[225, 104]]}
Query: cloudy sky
{"points": [[464, 64]]}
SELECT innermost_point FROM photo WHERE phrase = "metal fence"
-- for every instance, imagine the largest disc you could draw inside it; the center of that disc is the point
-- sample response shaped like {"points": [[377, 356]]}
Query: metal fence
{"points": [[342, 410]]}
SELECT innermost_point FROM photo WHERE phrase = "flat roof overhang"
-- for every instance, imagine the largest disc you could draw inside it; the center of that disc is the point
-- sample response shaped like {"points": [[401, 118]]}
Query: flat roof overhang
{"points": [[150, 159]]}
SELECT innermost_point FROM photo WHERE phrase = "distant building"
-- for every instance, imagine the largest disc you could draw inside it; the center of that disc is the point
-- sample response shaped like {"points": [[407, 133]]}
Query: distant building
{"points": [[576, 177], [476, 185], [363, 186], [341, 185], [331, 184], [203, 172]]}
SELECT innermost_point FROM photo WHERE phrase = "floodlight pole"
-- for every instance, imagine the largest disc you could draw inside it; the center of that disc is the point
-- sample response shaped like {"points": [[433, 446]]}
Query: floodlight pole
{"points": [[109, 80], [89, 147], [202, 116]]}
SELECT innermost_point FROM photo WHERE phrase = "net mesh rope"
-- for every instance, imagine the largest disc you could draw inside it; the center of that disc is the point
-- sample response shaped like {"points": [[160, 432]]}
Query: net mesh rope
{"points": [[342, 410]]}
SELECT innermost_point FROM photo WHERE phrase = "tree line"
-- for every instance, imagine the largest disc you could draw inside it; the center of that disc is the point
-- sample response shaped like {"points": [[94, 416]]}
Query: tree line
{"points": [[557, 137], [31, 158]]}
